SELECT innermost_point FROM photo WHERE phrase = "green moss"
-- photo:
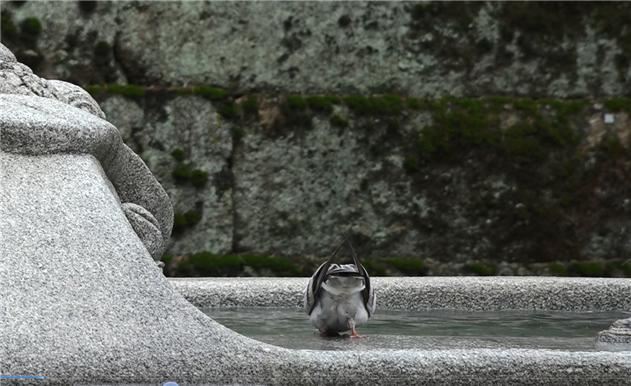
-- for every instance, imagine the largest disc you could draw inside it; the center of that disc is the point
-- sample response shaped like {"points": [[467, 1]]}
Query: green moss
{"points": [[472, 125], [498, 102], [618, 268], [166, 259], [295, 114], [408, 266], [321, 103], [535, 140], [210, 93], [338, 121], [182, 172], [374, 267], [182, 90], [185, 220], [375, 105], [199, 178], [94, 89], [559, 133], [565, 108], [411, 164], [521, 141], [611, 148], [626, 268], [178, 154], [481, 268], [31, 28], [434, 142], [419, 104], [389, 104], [127, 90], [526, 105], [458, 125], [251, 105], [208, 264], [359, 104], [593, 268], [296, 102], [557, 269], [228, 110], [102, 53], [618, 104]]}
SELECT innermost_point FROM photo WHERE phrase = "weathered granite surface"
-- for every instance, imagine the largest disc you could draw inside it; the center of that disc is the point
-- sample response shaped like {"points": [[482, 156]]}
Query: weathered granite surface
{"points": [[619, 334], [424, 293], [53, 117], [431, 48]]}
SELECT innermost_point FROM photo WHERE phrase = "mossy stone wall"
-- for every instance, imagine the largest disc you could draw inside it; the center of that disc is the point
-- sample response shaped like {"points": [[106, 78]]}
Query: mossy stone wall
{"points": [[460, 180]]}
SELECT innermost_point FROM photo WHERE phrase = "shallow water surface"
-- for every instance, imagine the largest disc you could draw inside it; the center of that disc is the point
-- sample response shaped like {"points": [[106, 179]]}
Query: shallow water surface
{"points": [[575, 331]]}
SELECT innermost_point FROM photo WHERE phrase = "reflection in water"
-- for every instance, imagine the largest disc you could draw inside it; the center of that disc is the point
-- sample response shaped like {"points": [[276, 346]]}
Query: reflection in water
{"points": [[426, 330]]}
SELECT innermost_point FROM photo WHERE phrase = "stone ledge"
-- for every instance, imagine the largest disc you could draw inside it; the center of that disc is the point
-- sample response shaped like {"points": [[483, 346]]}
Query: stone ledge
{"points": [[423, 293]]}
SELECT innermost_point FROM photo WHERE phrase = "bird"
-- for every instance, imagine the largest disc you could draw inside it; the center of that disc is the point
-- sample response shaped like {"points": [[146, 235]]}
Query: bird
{"points": [[339, 297]]}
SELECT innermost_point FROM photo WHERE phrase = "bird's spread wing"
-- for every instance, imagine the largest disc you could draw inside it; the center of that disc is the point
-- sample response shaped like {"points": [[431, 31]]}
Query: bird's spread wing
{"points": [[314, 286], [368, 293], [315, 283]]}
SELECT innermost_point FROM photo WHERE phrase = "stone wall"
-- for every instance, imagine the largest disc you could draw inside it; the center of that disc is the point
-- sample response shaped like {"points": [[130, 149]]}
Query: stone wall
{"points": [[288, 149], [451, 179], [423, 49]]}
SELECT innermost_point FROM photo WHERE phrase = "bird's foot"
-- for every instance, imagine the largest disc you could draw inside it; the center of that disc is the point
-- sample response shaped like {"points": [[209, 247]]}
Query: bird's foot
{"points": [[351, 324], [354, 334]]}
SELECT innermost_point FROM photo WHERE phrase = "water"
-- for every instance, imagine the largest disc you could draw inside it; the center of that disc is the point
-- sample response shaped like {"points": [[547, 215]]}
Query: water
{"points": [[573, 331]]}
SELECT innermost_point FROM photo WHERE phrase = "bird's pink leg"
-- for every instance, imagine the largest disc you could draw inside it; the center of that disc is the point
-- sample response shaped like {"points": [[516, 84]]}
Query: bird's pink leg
{"points": [[354, 334]]}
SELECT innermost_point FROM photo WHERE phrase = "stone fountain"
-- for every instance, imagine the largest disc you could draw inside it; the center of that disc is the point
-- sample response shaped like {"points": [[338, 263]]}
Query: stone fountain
{"points": [[83, 301]]}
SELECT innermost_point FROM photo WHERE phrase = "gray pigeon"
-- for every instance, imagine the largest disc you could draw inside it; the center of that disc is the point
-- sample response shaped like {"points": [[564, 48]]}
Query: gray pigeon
{"points": [[339, 297]]}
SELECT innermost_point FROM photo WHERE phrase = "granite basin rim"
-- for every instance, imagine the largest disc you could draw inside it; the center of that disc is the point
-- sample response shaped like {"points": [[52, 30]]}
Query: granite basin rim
{"points": [[424, 293]]}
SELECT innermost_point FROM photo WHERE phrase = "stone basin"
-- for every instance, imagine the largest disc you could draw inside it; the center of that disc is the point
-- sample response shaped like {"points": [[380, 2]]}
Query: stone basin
{"points": [[435, 329], [82, 302], [474, 312]]}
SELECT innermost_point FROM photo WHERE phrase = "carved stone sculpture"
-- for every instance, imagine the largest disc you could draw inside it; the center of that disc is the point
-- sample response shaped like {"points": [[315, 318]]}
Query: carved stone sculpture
{"points": [[36, 120]]}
